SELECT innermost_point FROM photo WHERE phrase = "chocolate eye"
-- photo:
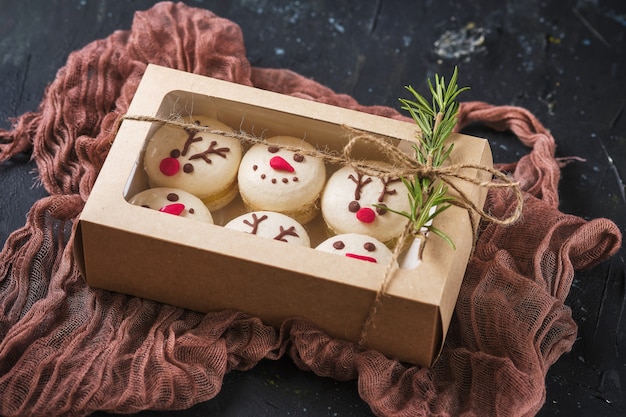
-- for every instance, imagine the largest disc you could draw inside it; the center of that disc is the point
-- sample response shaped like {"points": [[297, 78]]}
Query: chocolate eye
{"points": [[175, 153], [188, 168], [354, 206], [297, 157], [172, 197], [272, 149], [339, 245], [369, 246], [381, 209]]}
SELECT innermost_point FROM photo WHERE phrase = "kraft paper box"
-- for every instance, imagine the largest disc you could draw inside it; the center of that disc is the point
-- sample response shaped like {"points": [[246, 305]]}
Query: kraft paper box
{"points": [[204, 267]]}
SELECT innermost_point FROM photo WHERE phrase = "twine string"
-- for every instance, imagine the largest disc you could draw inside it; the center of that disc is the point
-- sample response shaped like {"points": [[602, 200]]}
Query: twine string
{"points": [[401, 166]]}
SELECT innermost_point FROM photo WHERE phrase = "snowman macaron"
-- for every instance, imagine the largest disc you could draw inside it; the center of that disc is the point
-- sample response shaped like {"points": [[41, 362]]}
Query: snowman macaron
{"points": [[173, 201], [357, 246], [275, 179]]}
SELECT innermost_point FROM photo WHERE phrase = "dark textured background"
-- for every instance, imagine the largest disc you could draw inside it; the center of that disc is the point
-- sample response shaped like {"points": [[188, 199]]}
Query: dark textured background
{"points": [[562, 60]]}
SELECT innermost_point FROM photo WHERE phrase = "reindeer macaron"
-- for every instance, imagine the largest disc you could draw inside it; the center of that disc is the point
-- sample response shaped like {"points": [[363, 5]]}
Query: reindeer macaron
{"points": [[202, 163], [353, 202], [271, 225]]}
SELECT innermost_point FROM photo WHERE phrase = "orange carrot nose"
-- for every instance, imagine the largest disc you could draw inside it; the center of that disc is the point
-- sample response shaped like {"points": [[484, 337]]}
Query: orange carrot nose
{"points": [[279, 164], [176, 209]]}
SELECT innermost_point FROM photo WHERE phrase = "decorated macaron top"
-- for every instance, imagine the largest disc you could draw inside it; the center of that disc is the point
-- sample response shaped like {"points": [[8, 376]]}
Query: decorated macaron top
{"points": [[357, 203], [197, 161], [357, 246], [276, 179], [271, 225], [173, 201]]}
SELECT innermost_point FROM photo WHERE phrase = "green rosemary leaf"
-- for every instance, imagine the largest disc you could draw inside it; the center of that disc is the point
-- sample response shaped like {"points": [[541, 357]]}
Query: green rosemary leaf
{"points": [[401, 213], [452, 86], [440, 208], [447, 152], [442, 235], [436, 121], [456, 93]]}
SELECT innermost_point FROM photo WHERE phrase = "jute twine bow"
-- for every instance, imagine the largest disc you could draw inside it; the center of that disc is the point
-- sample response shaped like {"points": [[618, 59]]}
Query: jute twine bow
{"points": [[406, 167], [401, 166]]}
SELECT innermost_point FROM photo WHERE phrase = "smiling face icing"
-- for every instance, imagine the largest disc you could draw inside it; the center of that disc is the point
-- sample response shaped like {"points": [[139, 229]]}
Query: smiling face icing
{"points": [[348, 204], [173, 201], [201, 163], [357, 246], [283, 181]]}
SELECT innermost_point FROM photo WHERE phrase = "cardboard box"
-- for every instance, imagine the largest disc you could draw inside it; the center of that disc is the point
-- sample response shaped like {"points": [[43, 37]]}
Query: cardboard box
{"points": [[204, 267]]}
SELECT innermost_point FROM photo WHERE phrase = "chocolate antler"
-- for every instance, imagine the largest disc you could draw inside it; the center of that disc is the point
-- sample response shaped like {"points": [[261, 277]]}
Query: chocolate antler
{"points": [[211, 150], [386, 182], [289, 232], [190, 139], [256, 220], [359, 184]]}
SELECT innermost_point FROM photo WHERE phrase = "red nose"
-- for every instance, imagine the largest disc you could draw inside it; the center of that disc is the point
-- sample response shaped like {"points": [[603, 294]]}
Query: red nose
{"points": [[176, 209], [169, 166], [366, 215], [279, 164], [361, 257]]}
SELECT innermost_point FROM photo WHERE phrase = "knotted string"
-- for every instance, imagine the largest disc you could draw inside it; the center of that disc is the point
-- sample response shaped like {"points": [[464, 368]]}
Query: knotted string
{"points": [[404, 166], [401, 166]]}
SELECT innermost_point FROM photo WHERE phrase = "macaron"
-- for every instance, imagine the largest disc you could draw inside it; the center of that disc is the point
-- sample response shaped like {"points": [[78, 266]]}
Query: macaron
{"points": [[173, 201], [271, 225], [201, 163], [275, 179], [353, 202], [357, 246]]}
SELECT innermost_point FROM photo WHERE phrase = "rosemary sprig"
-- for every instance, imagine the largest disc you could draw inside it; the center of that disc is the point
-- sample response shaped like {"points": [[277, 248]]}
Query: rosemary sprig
{"points": [[436, 120]]}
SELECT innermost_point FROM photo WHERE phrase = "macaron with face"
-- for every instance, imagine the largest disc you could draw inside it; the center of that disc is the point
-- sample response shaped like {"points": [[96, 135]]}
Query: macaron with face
{"points": [[275, 179], [271, 225], [357, 246], [201, 163], [357, 203], [173, 201]]}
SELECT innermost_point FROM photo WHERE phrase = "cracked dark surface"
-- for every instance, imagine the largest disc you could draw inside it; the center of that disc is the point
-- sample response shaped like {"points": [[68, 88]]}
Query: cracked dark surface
{"points": [[563, 61]]}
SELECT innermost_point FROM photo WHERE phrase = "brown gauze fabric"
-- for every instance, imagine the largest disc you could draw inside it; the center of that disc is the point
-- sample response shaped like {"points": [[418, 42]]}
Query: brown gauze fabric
{"points": [[68, 349]]}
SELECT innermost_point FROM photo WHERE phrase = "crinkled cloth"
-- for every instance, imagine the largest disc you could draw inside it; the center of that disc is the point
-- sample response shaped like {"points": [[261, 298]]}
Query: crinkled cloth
{"points": [[67, 349]]}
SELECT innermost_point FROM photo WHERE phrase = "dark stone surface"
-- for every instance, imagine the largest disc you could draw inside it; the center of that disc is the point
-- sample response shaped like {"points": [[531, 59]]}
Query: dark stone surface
{"points": [[562, 60]]}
